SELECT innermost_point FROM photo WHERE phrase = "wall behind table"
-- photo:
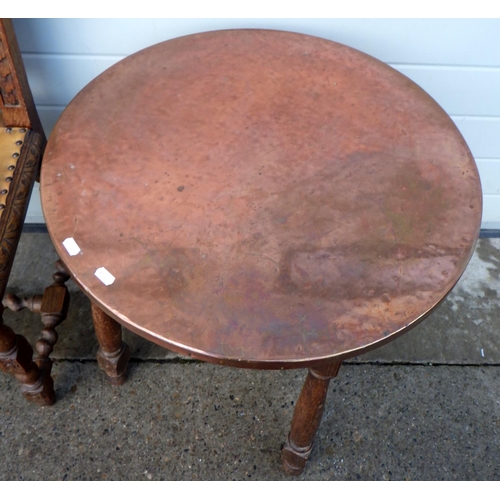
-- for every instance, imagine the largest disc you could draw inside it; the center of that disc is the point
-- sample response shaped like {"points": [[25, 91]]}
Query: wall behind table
{"points": [[456, 61]]}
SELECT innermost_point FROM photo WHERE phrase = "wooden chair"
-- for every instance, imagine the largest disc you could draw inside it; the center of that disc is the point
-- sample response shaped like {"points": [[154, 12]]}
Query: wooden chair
{"points": [[22, 142]]}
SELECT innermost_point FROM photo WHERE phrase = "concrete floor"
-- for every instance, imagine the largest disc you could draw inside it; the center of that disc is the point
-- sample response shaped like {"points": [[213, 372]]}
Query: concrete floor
{"points": [[425, 407]]}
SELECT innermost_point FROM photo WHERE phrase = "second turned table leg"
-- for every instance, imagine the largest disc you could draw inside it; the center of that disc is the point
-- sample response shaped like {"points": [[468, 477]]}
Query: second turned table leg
{"points": [[307, 417], [113, 354]]}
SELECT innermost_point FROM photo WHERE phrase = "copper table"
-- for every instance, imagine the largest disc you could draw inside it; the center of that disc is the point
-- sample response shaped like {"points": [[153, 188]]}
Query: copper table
{"points": [[259, 199]]}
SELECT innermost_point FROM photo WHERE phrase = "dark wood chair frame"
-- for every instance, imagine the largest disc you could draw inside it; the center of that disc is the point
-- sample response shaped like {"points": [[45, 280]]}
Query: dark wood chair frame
{"points": [[22, 130]]}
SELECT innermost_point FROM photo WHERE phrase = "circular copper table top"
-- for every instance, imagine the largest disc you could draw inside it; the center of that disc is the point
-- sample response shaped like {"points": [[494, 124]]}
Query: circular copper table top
{"points": [[262, 198]]}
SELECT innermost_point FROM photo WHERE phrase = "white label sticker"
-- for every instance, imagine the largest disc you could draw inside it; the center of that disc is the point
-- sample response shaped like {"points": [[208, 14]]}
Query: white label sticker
{"points": [[105, 276], [71, 246]]}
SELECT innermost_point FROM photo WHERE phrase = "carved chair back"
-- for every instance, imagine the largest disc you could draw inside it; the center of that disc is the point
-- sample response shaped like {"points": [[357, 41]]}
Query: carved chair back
{"points": [[22, 142], [17, 108]]}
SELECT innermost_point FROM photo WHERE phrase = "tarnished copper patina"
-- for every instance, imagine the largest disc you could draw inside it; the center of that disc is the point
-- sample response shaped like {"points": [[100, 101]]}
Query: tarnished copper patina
{"points": [[262, 198]]}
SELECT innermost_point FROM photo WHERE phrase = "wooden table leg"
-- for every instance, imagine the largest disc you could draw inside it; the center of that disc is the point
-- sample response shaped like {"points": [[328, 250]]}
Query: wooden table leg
{"points": [[307, 417], [16, 358], [113, 354]]}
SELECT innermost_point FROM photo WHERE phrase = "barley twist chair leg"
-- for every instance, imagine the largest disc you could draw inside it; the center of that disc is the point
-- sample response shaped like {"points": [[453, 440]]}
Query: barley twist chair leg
{"points": [[53, 308], [16, 358]]}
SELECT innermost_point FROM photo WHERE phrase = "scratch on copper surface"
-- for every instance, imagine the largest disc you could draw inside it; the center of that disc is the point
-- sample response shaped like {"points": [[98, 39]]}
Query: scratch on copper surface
{"points": [[203, 307], [171, 241], [198, 335], [391, 222], [400, 272], [265, 257], [137, 240], [164, 230], [267, 153], [326, 233]]}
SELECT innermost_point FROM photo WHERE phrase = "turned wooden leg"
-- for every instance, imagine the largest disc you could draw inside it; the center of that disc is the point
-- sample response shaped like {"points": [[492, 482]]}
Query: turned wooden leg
{"points": [[307, 417], [53, 308], [113, 354], [16, 358]]}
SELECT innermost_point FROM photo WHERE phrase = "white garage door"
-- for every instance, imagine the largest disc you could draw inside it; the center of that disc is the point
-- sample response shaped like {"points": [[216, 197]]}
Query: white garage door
{"points": [[456, 61]]}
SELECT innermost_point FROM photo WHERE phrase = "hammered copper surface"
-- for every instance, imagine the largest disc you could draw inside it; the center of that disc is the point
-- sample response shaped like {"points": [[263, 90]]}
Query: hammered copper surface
{"points": [[262, 198]]}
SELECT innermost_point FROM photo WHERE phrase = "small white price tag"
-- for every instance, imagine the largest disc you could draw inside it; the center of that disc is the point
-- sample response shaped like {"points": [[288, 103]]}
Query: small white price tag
{"points": [[105, 276], [71, 246]]}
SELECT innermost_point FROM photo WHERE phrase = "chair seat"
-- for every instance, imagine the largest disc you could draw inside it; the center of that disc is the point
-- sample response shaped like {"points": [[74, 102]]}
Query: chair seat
{"points": [[11, 141], [20, 155]]}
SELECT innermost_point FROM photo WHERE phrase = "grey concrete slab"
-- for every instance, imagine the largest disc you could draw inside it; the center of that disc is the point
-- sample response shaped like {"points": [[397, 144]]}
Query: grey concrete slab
{"points": [[425, 407], [464, 328], [195, 421]]}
